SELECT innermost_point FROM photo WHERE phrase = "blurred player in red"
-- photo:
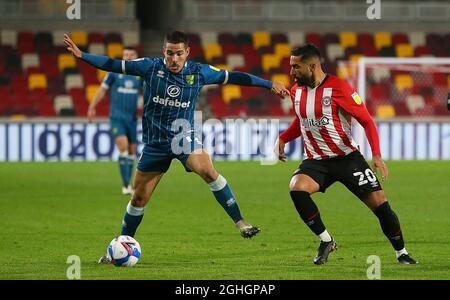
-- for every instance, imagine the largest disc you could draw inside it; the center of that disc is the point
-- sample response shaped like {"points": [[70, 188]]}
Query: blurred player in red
{"points": [[324, 105]]}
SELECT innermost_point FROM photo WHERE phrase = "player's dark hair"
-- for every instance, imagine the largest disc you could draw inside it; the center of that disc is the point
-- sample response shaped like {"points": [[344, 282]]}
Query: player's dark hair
{"points": [[130, 48], [176, 37], [306, 52]]}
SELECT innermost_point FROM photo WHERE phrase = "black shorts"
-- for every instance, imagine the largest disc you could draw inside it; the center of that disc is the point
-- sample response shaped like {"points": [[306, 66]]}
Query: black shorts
{"points": [[351, 170]]}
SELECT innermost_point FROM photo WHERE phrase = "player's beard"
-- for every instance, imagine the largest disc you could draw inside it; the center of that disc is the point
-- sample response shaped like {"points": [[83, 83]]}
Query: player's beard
{"points": [[306, 81]]}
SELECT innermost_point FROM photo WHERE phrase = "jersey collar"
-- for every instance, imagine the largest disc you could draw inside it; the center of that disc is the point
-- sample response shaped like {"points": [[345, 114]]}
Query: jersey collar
{"points": [[320, 84]]}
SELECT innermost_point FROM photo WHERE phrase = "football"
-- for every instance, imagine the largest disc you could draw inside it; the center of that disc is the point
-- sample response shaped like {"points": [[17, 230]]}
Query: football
{"points": [[124, 251]]}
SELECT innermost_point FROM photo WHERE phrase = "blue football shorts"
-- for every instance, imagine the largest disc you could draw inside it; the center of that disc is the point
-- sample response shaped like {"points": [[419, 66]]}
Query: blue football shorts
{"points": [[124, 128], [157, 157]]}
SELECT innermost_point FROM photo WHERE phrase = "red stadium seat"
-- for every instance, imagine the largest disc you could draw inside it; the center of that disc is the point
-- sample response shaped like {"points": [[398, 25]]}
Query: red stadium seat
{"points": [[2, 68], [422, 51], [366, 39], [226, 38], [400, 38], [19, 83], [219, 108], [25, 42], [113, 37], [56, 86], [230, 49], [196, 51], [102, 108], [440, 109], [329, 38], [34, 70], [439, 79], [249, 92], [435, 43], [313, 38], [279, 38], [95, 37], [378, 93], [5, 104], [194, 38], [45, 108], [276, 111], [401, 109]]}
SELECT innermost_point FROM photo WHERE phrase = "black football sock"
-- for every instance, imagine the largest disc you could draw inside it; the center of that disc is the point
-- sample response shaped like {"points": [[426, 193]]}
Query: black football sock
{"points": [[308, 211], [390, 225]]}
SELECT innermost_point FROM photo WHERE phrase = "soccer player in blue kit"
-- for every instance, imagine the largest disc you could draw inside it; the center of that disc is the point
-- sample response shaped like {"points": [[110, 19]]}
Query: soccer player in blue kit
{"points": [[171, 89], [122, 115]]}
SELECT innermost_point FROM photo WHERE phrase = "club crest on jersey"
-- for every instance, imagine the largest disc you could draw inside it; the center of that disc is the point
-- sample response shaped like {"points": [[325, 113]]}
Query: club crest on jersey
{"points": [[356, 98], [129, 84], [326, 101], [173, 91], [190, 79]]}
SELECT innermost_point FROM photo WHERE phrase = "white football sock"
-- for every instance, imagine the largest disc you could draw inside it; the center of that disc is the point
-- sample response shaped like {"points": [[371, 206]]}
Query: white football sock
{"points": [[325, 236], [400, 252], [123, 154]]}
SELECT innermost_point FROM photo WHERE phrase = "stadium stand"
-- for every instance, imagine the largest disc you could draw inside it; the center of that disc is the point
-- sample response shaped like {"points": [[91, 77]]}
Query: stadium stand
{"points": [[39, 78]]}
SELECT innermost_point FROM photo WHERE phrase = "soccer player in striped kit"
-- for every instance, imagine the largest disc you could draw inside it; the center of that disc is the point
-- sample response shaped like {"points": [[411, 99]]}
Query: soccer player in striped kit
{"points": [[171, 89], [122, 116], [324, 105]]}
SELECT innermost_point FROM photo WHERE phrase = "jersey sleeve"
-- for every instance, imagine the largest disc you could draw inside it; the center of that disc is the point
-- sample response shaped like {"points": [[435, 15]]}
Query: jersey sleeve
{"points": [[293, 131], [213, 75], [352, 103], [108, 81], [138, 67]]}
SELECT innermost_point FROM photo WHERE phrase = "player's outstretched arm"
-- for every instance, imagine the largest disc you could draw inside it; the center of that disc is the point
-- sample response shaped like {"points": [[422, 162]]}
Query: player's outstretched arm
{"points": [[100, 62], [246, 79], [136, 67]]}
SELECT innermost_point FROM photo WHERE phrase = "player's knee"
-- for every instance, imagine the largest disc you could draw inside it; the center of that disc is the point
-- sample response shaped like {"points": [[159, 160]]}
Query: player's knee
{"points": [[303, 183], [300, 186], [138, 200], [208, 175], [375, 199]]}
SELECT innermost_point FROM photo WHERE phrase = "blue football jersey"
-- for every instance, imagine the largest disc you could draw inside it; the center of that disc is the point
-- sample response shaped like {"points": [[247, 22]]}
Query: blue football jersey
{"points": [[169, 96], [124, 95]]}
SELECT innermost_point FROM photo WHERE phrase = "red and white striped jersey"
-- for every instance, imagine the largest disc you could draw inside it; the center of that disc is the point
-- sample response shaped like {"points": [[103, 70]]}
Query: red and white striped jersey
{"points": [[323, 118]]}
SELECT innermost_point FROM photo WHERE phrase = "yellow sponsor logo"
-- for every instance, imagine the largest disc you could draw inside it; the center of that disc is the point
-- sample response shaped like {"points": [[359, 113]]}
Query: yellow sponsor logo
{"points": [[357, 98], [115, 130]]}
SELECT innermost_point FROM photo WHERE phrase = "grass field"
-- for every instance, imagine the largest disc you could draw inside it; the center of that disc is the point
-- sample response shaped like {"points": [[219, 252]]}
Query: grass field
{"points": [[49, 211]]}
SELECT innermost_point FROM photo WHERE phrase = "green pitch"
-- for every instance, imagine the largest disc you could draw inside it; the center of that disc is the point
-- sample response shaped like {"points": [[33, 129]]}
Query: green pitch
{"points": [[49, 211]]}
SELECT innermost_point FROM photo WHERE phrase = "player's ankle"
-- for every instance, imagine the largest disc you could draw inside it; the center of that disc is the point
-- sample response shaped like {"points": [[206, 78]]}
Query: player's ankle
{"points": [[242, 224]]}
